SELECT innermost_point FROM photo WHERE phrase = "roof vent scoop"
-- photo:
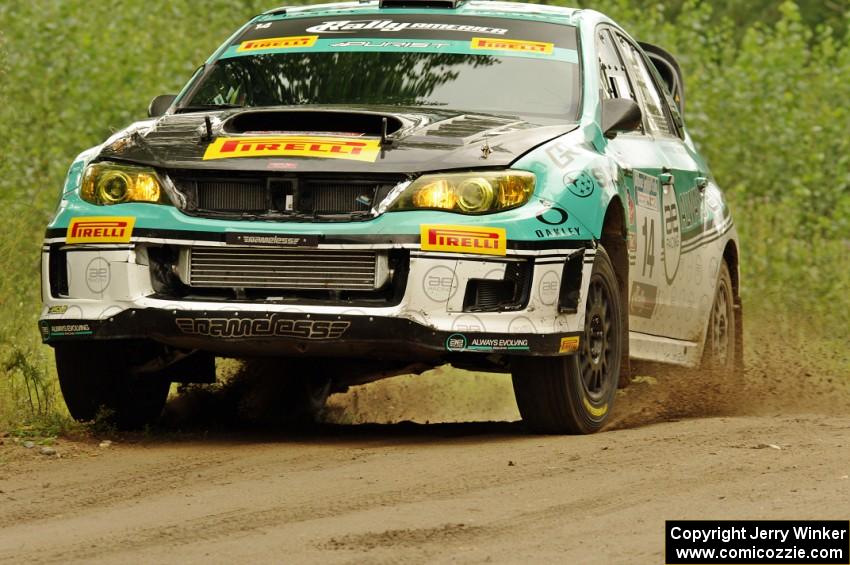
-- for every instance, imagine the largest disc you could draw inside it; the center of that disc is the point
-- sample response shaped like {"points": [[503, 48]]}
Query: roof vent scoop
{"points": [[446, 4]]}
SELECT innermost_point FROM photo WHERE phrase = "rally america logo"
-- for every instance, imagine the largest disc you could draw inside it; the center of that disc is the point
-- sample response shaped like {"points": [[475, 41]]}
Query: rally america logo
{"points": [[389, 26]]}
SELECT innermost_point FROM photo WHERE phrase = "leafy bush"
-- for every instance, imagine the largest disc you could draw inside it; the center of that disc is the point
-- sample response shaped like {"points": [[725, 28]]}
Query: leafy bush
{"points": [[769, 106]]}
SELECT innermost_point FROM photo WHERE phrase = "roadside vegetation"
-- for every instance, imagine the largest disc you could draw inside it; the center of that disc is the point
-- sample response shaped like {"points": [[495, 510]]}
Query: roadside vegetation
{"points": [[768, 101]]}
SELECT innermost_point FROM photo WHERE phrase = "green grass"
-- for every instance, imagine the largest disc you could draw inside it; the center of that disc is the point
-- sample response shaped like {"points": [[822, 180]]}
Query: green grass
{"points": [[73, 71]]}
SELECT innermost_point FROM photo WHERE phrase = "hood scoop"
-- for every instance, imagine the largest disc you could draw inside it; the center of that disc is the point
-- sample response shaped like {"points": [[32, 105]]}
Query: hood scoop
{"points": [[321, 122], [466, 129]]}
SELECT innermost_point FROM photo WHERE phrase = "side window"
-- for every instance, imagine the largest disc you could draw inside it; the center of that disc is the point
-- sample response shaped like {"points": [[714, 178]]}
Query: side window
{"points": [[612, 71], [653, 109]]}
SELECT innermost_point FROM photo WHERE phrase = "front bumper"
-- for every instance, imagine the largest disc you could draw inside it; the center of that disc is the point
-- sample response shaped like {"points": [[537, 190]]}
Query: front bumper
{"points": [[108, 293]]}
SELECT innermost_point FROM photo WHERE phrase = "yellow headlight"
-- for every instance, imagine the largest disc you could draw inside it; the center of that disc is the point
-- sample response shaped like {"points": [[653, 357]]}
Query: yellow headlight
{"points": [[478, 192], [112, 183], [437, 194], [475, 195]]}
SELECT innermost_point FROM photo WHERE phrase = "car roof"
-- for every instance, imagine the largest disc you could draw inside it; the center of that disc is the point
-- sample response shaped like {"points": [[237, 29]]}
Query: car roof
{"points": [[473, 7]]}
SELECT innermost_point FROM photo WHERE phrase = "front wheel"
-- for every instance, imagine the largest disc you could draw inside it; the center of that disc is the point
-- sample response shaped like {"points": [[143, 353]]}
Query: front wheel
{"points": [[575, 394], [97, 381], [721, 338]]}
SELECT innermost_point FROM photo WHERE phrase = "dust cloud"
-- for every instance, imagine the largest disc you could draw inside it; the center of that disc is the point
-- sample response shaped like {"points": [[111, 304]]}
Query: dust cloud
{"points": [[782, 376]]}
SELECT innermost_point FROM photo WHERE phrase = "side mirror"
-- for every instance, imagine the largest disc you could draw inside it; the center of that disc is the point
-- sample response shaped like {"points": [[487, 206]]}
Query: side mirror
{"points": [[160, 105], [620, 115]]}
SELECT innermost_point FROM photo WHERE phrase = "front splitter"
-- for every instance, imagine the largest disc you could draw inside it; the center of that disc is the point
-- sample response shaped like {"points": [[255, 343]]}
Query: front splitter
{"points": [[236, 334]]}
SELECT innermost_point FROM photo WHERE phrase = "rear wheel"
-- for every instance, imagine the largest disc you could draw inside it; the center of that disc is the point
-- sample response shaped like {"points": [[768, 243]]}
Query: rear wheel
{"points": [[97, 381], [575, 394]]}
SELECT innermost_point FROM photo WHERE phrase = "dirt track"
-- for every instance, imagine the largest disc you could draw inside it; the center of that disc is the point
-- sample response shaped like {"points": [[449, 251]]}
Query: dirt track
{"points": [[450, 492]]}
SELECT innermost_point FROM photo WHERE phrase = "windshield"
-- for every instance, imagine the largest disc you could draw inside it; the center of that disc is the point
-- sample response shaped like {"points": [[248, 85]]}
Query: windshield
{"points": [[493, 65]]}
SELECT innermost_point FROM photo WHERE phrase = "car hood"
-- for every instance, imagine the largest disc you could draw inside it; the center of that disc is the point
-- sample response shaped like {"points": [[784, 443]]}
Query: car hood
{"points": [[416, 139]]}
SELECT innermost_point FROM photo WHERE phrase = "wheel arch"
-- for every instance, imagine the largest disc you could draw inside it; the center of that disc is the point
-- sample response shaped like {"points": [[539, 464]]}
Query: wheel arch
{"points": [[614, 238]]}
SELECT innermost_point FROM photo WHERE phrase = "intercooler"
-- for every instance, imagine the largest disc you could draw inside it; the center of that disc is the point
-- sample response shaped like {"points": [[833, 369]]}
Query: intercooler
{"points": [[294, 269]]}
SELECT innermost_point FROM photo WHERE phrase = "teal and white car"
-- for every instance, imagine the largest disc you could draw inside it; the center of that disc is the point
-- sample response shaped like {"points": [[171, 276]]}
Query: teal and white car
{"points": [[389, 184]]}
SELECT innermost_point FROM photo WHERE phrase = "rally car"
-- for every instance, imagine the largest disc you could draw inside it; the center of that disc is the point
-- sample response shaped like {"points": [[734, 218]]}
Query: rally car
{"points": [[396, 184]]}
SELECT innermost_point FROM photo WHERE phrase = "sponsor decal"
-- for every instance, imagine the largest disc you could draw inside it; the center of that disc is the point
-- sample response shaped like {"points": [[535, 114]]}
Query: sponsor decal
{"points": [[562, 154], [440, 283], [274, 240], [553, 217], [463, 239], [646, 190], [459, 342], [61, 309], [390, 26], [569, 344], [101, 229], [550, 287], [64, 330], [281, 166], [456, 342], [690, 208], [672, 233], [499, 44], [557, 232], [392, 44], [468, 323], [98, 275], [278, 43], [644, 298], [294, 146], [582, 186], [632, 231], [521, 324], [273, 326]]}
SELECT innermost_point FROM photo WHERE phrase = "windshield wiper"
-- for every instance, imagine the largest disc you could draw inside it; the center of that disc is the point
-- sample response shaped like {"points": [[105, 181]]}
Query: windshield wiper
{"points": [[207, 107]]}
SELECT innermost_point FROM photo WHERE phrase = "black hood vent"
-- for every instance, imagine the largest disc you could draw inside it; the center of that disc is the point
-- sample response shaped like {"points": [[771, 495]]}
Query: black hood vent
{"points": [[468, 126], [312, 121]]}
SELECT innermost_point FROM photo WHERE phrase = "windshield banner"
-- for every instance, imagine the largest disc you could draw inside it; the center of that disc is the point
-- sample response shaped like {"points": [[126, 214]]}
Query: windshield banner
{"points": [[421, 33]]}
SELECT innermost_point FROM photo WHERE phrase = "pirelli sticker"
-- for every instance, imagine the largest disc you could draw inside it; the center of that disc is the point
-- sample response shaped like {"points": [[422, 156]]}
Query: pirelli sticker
{"points": [[464, 239], [569, 344], [101, 229], [353, 149], [277, 43], [492, 44]]}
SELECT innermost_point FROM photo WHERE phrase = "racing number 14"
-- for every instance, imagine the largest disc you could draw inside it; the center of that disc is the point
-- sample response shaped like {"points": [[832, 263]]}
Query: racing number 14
{"points": [[648, 246]]}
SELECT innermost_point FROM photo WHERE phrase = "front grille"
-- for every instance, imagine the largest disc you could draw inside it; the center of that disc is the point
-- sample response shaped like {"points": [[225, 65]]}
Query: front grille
{"points": [[230, 196], [294, 269], [305, 196], [329, 197]]}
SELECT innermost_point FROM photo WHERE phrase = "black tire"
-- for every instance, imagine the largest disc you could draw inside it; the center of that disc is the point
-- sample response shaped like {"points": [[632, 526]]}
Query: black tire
{"points": [[720, 354], [575, 394], [283, 392], [305, 398], [97, 383]]}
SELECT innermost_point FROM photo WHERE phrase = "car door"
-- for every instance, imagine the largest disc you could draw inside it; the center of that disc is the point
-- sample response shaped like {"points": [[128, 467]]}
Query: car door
{"points": [[680, 315], [642, 160]]}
